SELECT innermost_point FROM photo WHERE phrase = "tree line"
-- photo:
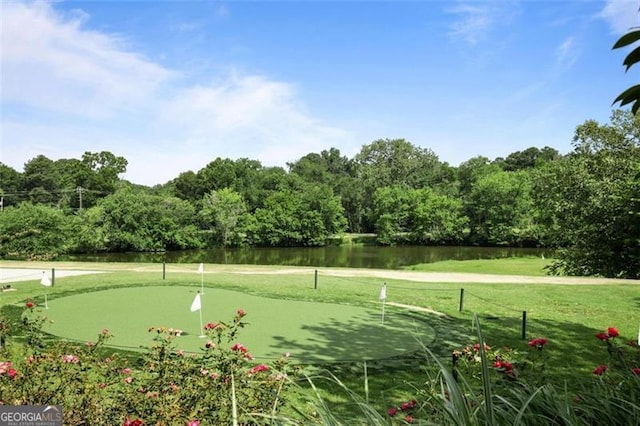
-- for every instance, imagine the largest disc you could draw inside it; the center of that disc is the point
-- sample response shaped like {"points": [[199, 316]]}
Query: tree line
{"points": [[585, 203]]}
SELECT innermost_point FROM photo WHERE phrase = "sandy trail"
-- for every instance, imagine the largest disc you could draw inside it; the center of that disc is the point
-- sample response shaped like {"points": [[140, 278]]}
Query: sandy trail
{"points": [[20, 271]]}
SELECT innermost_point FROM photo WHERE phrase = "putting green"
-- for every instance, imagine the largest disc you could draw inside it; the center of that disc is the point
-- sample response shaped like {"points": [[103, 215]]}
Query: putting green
{"points": [[310, 331]]}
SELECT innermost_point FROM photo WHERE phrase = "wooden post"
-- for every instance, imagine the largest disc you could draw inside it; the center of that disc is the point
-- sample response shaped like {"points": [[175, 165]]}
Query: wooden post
{"points": [[524, 325], [53, 276], [164, 269], [461, 300], [315, 280]]}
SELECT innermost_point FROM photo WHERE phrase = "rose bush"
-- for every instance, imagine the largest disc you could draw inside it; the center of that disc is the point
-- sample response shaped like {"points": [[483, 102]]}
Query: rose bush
{"points": [[165, 386]]}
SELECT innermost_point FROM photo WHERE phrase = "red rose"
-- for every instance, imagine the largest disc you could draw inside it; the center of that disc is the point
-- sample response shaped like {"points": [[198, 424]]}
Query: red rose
{"points": [[30, 304], [599, 370], [636, 371], [392, 412], [241, 313], [603, 336], [612, 332]]}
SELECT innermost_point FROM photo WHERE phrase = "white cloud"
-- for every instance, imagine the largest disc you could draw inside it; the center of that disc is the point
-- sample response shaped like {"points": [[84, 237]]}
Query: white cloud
{"points": [[476, 20], [473, 24], [621, 15], [51, 63], [567, 52], [67, 90]]}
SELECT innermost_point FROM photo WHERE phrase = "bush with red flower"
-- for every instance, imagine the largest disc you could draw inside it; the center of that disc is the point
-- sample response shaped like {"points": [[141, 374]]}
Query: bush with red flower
{"points": [[95, 385]]}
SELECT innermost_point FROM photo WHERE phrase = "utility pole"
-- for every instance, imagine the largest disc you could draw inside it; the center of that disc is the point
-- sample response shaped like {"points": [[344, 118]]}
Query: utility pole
{"points": [[80, 189]]}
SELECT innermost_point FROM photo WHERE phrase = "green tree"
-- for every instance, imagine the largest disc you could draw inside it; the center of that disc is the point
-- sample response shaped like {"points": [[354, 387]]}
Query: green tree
{"points": [[137, 221], [33, 231], [391, 213], [593, 201], [501, 209], [299, 214], [331, 168], [435, 218], [10, 185], [223, 212], [393, 162]]}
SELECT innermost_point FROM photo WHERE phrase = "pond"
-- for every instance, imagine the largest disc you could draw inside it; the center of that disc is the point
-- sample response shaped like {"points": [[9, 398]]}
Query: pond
{"points": [[354, 256]]}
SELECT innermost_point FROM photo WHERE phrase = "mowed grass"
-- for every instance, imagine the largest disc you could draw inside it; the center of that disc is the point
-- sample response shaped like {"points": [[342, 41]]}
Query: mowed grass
{"points": [[529, 266], [569, 316], [310, 331]]}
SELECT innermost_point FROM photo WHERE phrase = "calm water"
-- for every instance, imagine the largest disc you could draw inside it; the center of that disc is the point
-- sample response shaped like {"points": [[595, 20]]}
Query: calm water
{"points": [[348, 256]]}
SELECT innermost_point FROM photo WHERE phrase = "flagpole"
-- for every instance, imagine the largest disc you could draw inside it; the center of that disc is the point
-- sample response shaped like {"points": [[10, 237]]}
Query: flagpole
{"points": [[196, 305], [201, 327], [46, 282], [201, 272], [383, 298]]}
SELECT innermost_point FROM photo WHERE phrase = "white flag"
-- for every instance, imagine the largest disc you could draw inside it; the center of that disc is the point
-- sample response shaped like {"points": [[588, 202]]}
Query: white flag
{"points": [[383, 292], [201, 268], [195, 305], [638, 337], [45, 281]]}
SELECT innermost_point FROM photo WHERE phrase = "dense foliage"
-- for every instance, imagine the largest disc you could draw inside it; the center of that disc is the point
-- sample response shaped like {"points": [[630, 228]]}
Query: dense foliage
{"points": [[584, 202]]}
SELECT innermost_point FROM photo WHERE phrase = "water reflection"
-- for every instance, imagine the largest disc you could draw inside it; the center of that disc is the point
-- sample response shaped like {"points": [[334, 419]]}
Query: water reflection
{"points": [[347, 256]]}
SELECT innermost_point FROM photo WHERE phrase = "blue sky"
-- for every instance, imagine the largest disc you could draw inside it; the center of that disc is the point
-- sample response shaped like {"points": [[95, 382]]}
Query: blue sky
{"points": [[173, 85]]}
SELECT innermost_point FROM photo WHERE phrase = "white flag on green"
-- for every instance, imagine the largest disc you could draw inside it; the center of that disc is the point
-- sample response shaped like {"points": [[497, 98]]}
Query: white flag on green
{"points": [[196, 305], [383, 292], [45, 281], [201, 268]]}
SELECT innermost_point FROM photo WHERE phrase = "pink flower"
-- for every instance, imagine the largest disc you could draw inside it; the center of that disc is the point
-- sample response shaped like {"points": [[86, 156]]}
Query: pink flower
{"points": [[5, 366], [180, 353], [599, 370], [504, 366], [126, 371], [193, 423], [476, 347], [89, 344], [105, 331], [239, 347], [129, 422], [210, 345], [241, 313], [70, 359], [12, 373], [102, 385], [613, 332], [538, 343], [258, 368], [392, 412], [409, 418], [128, 380], [210, 326]]}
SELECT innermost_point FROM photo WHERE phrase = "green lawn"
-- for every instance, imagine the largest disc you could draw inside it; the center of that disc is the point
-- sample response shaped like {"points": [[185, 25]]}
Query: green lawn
{"points": [[530, 266], [310, 331], [569, 316]]}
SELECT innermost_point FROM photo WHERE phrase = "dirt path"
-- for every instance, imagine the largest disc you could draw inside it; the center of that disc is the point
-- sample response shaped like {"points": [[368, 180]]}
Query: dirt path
{"points": [[14, 271]]}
